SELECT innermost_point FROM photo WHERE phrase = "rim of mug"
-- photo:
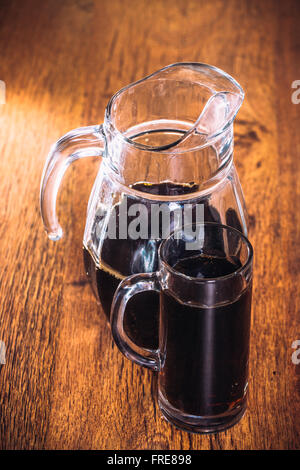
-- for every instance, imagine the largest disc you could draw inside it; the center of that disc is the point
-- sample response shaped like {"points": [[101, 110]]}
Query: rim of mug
{"points": [[242, 268], [211, 138]]}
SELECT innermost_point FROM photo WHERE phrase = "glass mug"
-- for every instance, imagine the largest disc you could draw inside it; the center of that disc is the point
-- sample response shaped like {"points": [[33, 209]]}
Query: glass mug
{"points": [[205, 285]]}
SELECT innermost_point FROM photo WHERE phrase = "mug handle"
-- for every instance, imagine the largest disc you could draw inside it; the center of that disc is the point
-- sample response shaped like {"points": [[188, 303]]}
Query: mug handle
{"points": [[130, 286]]}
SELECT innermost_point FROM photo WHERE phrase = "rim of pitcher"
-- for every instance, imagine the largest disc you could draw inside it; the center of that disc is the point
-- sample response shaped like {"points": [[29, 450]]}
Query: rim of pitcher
{"points": [[210, 138]]}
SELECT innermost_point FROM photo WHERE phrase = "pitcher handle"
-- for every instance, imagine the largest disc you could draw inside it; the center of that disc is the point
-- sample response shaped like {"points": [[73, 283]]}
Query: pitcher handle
{"points": [[128, 288], [79, 143]]}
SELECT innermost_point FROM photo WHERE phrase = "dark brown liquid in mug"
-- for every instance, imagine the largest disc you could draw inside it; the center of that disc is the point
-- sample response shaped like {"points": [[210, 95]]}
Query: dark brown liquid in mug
{"points": [[121, 258], [205, 350]]}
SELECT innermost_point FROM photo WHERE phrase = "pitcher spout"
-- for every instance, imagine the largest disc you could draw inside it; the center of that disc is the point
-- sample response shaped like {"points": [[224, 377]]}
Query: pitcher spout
{"points": [[201, 97]]}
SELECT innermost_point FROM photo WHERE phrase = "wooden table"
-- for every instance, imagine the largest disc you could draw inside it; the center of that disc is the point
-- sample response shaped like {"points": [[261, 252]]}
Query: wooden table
{"points": [[65, 385]]}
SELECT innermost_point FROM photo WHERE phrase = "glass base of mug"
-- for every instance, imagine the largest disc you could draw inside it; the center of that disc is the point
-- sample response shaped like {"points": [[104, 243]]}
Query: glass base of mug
{"points": [[201, 424]]}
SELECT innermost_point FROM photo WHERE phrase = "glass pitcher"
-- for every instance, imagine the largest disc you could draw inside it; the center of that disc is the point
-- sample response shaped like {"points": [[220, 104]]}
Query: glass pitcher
{"points": [[166, 143]]}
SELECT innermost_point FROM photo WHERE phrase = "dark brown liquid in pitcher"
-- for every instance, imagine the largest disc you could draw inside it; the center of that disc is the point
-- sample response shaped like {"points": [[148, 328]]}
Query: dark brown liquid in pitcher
{"points": [[121, 258], [205, 350]]}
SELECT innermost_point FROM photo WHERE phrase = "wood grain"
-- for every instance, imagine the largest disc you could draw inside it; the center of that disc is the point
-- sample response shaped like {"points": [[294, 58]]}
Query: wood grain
{"points": [[64, 384]]}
